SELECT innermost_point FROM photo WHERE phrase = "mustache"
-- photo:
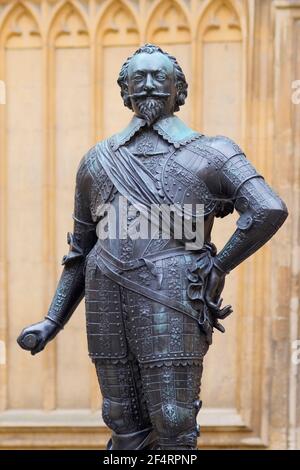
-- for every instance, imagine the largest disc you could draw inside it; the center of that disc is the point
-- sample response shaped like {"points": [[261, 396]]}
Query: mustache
{"points": [[145, 94]]}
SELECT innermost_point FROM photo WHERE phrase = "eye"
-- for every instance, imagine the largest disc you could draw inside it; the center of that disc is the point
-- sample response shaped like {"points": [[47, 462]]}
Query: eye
{"points": [[160, 76], [138, 77]]}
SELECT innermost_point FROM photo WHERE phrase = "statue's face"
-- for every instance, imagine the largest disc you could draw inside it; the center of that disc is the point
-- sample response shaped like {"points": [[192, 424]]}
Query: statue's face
{"points": [[151, 85]]}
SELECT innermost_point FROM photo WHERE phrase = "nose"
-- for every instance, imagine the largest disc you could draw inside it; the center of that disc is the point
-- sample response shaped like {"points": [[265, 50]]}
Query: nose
{"points": [[149, 85]]}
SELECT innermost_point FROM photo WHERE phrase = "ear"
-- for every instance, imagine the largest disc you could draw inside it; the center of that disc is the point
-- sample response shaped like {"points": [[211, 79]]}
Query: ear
{"points": [[181, 94], [127, 101], [125, 95]]}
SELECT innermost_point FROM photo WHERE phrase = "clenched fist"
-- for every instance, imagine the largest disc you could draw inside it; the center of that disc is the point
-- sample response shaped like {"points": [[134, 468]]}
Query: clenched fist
{"points": [[35, 337]]}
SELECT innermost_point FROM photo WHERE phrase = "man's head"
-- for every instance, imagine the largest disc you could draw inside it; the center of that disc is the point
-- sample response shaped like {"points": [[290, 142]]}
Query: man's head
{"points": [[152, 83]]}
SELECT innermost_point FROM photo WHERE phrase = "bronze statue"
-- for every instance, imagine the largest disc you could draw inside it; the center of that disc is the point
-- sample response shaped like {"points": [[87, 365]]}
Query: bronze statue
{"points": [[152, 303]]}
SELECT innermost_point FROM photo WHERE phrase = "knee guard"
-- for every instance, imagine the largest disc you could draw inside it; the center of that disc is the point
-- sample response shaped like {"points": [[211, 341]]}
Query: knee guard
{"points": [[124, 417], [176, 426], [118, 416]]}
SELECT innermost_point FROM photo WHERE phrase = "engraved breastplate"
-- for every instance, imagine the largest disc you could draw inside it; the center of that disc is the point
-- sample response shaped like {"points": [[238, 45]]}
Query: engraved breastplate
{"points": [[177, 174], [183, 180]]}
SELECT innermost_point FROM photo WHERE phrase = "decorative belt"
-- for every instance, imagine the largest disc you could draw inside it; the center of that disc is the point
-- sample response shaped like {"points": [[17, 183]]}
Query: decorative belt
{"points": [[146, 292], [147, 260], [142, 261]]}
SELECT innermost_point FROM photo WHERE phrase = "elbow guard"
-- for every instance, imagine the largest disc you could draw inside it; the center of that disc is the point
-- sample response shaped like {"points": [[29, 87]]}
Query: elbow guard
{"points": [[75, 251], [245, 220]]}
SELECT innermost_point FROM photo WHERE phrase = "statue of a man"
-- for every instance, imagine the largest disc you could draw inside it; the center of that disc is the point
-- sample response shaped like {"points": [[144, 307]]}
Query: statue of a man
{"points": [[152, 302]]}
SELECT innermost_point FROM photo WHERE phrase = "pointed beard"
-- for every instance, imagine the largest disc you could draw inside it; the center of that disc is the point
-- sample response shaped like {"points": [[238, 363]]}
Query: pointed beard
{"points": [[150, 109]]}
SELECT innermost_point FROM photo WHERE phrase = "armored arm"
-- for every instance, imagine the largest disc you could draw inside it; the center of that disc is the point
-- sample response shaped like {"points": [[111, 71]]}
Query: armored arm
{"points": [[261, 210], [70, 289]]}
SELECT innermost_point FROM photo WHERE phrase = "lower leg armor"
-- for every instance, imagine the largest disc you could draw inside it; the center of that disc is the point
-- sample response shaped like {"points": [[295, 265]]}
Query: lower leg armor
{"points": [[172, 398]]}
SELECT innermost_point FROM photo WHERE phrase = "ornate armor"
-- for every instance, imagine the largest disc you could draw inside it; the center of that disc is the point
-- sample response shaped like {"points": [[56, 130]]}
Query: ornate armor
{"points": [[148, 323]]}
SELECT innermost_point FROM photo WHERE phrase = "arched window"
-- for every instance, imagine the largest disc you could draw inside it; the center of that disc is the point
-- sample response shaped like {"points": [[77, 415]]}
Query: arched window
{"points": [[220, 71], [168, 26], [21, 192], [117, 38], [69, 119]]}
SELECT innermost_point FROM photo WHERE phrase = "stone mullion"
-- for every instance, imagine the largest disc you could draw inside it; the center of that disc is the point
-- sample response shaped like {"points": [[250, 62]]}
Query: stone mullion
{"points": [[3, 243], [193, 86], [294, 408], [143, 21], [294, 326], [285, 267], [261, 152], [49, 212]]}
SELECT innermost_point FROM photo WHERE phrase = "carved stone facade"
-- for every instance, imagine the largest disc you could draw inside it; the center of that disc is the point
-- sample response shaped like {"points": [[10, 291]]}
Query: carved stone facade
{"points": [[59, 60]]}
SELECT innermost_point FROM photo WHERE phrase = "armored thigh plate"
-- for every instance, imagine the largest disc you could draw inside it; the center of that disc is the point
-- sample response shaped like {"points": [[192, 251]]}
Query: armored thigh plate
{"points": [[118, 318]]}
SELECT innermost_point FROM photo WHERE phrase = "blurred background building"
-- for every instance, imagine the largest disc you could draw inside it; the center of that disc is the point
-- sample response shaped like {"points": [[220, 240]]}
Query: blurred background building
{"points": [[59, 61]]}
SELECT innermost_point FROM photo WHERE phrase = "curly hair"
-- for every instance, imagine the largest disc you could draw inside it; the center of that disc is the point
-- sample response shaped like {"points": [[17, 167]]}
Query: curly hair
{"points": [[180, 81]]}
